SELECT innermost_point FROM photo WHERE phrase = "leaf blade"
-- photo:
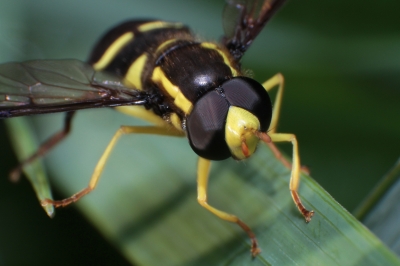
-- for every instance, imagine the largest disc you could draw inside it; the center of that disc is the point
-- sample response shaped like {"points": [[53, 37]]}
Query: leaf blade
{"points": [[161, 187]]}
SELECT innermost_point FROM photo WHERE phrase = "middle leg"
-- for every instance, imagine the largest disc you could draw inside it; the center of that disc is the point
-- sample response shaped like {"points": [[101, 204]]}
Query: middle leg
{"points": [[123, 130]]}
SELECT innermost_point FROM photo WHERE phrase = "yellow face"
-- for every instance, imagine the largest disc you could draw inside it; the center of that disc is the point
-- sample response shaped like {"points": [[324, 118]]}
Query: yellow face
{"points": [[240, 129]]}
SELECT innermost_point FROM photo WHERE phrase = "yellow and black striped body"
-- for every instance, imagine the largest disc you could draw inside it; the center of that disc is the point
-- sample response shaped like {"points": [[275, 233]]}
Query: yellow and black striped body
{"points": [[194, 85], [165, 59]]}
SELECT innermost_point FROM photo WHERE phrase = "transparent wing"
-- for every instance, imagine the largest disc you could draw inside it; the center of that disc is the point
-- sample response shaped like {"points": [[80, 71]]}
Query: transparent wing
{"points": [[243, 20], [47, 86]]}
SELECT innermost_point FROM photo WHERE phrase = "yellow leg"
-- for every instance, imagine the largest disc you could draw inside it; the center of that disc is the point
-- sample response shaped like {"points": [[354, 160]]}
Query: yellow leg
{"points": [[203, 170], [295, 167], [123, 130], [295, 174], [279, 81]]}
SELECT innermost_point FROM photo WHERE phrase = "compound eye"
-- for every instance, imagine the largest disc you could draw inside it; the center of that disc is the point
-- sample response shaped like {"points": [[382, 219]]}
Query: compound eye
{"points": [[250, 95], [206, 127]]}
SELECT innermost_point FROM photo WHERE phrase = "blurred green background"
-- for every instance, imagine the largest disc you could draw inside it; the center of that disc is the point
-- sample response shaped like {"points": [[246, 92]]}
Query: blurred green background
{"points": [[341, 61]]}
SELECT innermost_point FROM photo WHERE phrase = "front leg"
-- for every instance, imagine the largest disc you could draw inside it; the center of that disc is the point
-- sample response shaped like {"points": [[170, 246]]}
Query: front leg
{"points": [[203, 170], [295, 174], [271, 136]]}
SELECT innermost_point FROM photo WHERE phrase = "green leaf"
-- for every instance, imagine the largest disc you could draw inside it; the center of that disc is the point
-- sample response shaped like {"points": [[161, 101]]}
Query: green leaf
{"points": [[381, 209], [342, 92], [380, 191], [22, 138], [146, 203]]}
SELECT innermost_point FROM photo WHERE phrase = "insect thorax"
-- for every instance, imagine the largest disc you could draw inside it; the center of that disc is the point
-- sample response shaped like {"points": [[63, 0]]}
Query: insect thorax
{"points": [[166, 60]]}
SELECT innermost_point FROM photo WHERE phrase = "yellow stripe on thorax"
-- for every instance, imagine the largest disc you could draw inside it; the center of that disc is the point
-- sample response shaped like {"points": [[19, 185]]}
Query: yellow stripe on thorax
{"points": [[158, 25], [133, 76], [111, 51], [179, 99], [162, 46], [209, 45]]}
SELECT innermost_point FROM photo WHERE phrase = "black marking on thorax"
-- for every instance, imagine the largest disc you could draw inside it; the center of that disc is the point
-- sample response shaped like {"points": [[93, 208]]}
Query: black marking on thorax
{"points": [[194, 69]]}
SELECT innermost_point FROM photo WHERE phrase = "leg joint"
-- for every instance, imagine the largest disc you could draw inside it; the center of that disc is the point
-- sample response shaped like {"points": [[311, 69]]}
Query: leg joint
{"points": [[202, 201], [281, 77]]}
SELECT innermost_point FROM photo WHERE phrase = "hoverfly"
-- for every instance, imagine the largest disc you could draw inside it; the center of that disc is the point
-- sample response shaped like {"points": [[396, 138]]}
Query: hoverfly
{"points": [[160, 72]]}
